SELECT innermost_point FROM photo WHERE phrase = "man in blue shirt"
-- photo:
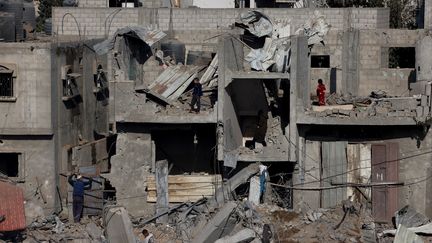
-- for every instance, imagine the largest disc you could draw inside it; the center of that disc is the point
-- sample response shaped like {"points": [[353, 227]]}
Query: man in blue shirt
{"points": [[79, 184], [196, 96]]}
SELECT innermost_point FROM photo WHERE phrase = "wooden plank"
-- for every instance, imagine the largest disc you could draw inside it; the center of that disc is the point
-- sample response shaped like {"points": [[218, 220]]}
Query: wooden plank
{"points": [[189, 178], [202, 192], [176, 199], [332, 107], [183, 186], [211, 69], [162, 190]]}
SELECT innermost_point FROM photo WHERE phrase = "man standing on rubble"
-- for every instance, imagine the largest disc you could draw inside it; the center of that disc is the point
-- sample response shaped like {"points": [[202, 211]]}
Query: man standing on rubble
{"points": [[79, 184], [196, 96], [321, 92]]}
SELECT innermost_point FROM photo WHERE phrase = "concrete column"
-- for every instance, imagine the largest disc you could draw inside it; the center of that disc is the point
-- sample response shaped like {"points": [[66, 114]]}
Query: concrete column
{"points": [[428, 193], [350, 61], [299, 89], [428, 14], [424, 59]]}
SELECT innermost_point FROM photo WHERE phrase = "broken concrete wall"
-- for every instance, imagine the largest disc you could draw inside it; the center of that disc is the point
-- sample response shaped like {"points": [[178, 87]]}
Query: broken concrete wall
{"points": [[80, 119], [368, 61], [308, 174], [417, 158], [36, 169], [129, 104], [206, 19], [333, 47], [129, 168], [230, 59], [26, 120]]}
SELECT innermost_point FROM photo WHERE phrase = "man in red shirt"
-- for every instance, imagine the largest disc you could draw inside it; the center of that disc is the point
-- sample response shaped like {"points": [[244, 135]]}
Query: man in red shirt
{"points": [[321, 92]]}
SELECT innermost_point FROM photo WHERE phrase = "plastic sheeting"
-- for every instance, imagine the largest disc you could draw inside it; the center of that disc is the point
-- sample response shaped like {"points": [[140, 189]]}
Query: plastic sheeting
{"points": [[315, 28], [277, 45]]}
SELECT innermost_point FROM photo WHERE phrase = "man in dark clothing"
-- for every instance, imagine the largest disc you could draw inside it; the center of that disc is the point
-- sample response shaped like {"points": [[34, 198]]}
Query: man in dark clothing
{"points": [[196, 96], [79, 185]]}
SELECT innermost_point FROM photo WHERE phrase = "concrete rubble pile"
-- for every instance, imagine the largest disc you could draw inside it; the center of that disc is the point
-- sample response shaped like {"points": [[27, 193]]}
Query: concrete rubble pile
{"points": [[410, 226], [378, 104]]}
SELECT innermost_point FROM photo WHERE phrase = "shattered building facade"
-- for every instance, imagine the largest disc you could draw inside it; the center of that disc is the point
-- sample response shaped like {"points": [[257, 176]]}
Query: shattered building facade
{"points": [[50, 117], [118, 111], [353, 62]]}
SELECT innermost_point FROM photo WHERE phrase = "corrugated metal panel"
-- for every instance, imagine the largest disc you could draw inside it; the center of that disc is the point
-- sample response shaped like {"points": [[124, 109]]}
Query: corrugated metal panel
{"points": [[379, 175], [333, 169], [12, 207], [150, 37], [392, 175], [172, 82]]}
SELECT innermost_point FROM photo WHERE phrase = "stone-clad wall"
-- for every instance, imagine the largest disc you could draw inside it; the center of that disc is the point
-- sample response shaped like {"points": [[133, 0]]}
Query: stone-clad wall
{"points": [[94, 22]]}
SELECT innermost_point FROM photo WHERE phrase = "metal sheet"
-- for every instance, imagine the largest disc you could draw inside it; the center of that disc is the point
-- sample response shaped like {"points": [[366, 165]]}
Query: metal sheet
{"points": [[384, 168], [171, 83], [149, 36], [333, 170], [378, 175], [12, 207]]}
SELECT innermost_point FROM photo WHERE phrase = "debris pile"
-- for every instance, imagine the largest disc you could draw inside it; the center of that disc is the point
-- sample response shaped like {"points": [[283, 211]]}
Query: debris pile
{"points": [[410, 225], [276, 50], [378, 104], [56, 229]]}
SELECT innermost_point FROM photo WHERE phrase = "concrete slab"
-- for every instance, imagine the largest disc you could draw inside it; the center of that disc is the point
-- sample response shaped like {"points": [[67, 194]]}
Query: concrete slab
{"points": [[118, 226], [305, 119]]}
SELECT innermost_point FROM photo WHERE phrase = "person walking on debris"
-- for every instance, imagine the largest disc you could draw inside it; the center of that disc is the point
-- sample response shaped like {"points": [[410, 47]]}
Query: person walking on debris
{"points": [[79, 185], [321, 92], [196, 96]]}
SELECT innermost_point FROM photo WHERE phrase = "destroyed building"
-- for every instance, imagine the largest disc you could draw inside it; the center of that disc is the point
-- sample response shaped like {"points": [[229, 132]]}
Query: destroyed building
{"points": [[52, 113], [114, 105]]}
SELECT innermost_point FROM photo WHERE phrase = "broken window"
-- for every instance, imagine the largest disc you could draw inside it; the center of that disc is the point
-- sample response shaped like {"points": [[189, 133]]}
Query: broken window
{"points": [[320, 61], [9, 164], [401, 57], [6, 82]]}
